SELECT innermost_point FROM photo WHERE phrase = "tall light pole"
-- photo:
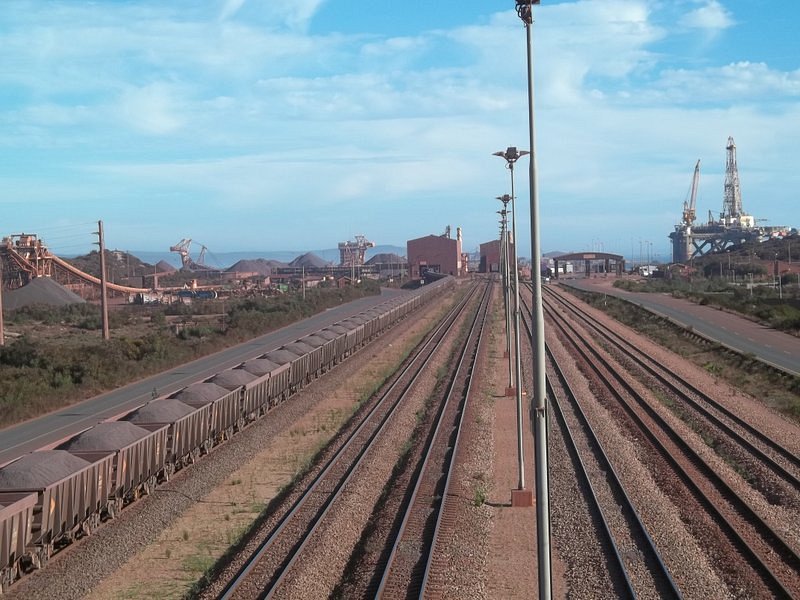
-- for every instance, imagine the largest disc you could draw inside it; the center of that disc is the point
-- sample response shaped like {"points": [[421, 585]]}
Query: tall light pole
{"points": [[2, 331], [103, 281], [511, 155], [504, 250], [525, 12]]}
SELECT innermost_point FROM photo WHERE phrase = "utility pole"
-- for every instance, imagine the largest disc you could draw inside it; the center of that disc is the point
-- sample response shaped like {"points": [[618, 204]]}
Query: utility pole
{"points": [[103, 284], [525, 13], [2, 331]]}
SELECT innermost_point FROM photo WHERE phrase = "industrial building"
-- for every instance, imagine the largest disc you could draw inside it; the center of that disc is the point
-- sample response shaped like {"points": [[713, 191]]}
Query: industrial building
{"points": [[490, 256], [436, 254]]}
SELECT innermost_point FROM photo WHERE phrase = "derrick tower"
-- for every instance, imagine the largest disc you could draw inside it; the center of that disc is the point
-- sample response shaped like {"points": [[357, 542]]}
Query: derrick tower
{"points": [[732, 201]]}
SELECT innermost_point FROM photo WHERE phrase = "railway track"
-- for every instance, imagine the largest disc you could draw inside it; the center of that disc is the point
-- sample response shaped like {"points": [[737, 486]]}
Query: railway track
{"points": [[637, 568], [751, 548], [288, 537], [771, 454], [412, 567]]}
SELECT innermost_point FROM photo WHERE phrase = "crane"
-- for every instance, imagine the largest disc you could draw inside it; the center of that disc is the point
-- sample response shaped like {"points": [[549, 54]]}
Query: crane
{"points": [[352, 253], [182, 248], [689, 214]]}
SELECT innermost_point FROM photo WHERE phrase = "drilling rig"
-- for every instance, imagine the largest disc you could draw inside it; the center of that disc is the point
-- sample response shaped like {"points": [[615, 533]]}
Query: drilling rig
{"points": [[734, 225]]}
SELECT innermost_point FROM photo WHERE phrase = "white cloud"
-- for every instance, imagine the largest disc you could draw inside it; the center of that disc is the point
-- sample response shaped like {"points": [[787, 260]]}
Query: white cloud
{"points": [[712, 16], [730, 84], [151, 109], [230, 8], [233, 107]]}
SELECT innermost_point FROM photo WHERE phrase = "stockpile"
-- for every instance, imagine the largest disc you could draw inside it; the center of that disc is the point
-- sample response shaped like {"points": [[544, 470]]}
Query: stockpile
{"points": [[41, 290], [261, 266]]}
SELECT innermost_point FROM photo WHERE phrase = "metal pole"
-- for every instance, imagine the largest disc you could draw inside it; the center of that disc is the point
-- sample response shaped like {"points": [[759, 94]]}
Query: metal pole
{"points": [[506, 289], [525, 12], [103, 288], [2, 330], [517, 352]]}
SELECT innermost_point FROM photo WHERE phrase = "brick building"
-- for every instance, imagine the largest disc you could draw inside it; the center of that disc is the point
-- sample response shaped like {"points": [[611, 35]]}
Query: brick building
{"points": [[490, 256], [436, 253]]}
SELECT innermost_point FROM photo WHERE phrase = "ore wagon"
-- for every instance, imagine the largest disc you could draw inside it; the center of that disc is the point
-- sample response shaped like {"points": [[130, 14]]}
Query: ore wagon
{"points": [[297, 374], [310, 359], [224, 407], [279, 376], [327, 348], [187, 432], [16, 520], [71, 494], [252, 391], [139, 457]]}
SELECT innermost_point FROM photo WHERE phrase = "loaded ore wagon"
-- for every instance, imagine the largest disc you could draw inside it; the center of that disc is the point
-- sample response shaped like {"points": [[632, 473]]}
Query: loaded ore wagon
{"points": [[297, 375], [16, 520], [139, 457], [224, 408], [72, 492], [278, 378], [252, 392], [187, 428]]}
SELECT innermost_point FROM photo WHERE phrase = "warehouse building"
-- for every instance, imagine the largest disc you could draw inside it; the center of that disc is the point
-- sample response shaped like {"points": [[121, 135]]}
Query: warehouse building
{"points": [[436, 254]]}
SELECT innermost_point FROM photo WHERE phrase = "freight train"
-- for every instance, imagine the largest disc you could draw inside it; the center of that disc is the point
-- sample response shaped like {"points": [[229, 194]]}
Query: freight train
{"points": [[64, 491]]}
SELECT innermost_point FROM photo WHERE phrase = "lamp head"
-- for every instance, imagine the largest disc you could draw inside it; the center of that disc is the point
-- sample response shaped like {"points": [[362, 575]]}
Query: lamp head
{"points": [[511, 154], [525, 10]]}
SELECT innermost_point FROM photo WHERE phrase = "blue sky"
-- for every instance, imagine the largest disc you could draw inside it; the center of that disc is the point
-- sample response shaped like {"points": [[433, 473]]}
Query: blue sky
{"points": [[252, 125]]}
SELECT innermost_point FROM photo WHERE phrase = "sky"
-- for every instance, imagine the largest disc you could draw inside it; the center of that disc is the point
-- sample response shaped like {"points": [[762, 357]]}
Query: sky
{"points": [[263, 125]]}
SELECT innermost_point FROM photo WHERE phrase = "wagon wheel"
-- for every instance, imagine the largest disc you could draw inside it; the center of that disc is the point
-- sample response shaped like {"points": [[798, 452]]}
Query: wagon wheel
{"points": [[42, 555], [169, 470], [111, 509], [7, 577], [149, 486]]}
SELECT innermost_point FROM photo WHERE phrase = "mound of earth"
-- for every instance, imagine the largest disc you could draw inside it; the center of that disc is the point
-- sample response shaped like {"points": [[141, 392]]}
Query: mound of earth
{"points": [[164, 267], [262, 266], [41, 290], [309, 259], [386, 258]]}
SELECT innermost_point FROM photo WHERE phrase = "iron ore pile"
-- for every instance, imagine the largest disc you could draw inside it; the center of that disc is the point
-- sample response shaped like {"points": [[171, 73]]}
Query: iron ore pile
{"points": [[41, 290]]}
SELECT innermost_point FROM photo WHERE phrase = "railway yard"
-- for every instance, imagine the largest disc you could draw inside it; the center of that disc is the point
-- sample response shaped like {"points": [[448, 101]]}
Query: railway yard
{"points": [[386, 469]]}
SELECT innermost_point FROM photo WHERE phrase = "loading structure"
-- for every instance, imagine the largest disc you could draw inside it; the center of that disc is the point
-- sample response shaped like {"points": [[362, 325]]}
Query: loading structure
{"points": [[352, 254], [25, 257], [734, 226]]}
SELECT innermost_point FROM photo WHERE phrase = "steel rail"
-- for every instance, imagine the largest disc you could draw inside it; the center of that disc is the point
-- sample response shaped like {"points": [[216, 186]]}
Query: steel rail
{"points": [[660, 569], [777, 545], [424, 353], [476, 330], [669, 379]]}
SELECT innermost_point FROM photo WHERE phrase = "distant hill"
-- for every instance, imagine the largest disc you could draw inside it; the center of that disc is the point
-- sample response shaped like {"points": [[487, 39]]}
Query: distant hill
{"points": [[118, 264], [224, 260]]}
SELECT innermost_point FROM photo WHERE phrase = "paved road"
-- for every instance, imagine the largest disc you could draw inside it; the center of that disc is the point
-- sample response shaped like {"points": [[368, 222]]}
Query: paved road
{"points": [[771, 346], [46, 430]]}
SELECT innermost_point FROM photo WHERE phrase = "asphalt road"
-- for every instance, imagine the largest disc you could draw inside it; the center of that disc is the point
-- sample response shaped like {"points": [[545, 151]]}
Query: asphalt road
{"points": [[48, 430], [769, 345]]}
